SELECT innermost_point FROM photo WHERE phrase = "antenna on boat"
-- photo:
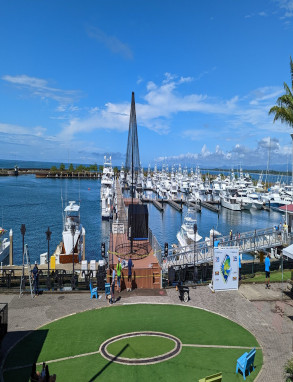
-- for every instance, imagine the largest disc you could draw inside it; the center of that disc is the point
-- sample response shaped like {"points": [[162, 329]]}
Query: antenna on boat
{"points": [[268, 163], [62, 206], [79, 189]]}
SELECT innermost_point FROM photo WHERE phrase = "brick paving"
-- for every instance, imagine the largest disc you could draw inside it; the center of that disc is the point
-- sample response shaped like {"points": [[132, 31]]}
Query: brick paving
{"points": [[265, 313]]}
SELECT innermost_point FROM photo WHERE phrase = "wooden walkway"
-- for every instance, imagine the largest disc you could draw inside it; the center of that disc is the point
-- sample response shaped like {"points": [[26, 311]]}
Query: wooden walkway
{"points": [[147, 270]]}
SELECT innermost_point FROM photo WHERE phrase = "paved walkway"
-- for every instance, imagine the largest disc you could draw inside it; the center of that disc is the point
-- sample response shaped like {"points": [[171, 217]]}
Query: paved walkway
{"points": [[265, 313]]}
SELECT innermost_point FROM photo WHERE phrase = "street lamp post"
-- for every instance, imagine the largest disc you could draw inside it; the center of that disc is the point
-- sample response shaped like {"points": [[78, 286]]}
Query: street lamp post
{"points": [[48, 234], [73, 229], [194, 247], [22, 230]]}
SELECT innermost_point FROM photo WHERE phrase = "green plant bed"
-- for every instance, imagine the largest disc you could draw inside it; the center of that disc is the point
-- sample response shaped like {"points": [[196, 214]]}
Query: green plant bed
{"points": [[275, 276], [85, 332]]}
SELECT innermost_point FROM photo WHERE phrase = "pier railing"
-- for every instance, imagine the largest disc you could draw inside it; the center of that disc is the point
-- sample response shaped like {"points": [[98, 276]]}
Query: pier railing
{"points": [[57, 280], [262, 239]]}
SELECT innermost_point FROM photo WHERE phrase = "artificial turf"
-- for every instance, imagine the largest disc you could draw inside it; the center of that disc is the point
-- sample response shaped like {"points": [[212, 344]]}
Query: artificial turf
{"points": [[141, 347], [85, 332]]}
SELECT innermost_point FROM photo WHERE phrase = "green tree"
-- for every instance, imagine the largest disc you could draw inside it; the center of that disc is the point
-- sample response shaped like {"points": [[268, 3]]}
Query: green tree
{"points": [[284, 108], [62, 167], [80, 168], [101, 168], [93, 167], [53, 169], [71, 168]]}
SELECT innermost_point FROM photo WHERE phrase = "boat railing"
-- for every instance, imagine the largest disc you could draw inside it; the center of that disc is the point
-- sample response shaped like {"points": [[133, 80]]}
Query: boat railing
{"points": [[155, 246]]}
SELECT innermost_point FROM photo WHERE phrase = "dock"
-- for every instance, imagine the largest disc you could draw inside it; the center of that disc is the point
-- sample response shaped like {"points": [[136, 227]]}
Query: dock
{"points": [[159, 205], [211, 206], [146, 252], [177, 206]]}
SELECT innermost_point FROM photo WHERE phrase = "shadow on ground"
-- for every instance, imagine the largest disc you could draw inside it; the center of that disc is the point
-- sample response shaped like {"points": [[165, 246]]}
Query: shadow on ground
{"points": [[18, 367]]}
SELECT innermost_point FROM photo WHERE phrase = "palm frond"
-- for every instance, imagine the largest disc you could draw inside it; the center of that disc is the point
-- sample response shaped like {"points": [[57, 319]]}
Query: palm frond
{"points": [[283, 114], [285, 100], [287, 89]]}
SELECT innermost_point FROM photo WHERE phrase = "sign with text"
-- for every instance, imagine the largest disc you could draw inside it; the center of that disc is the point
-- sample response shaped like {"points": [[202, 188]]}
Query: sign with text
{"points": [[225, 268]]}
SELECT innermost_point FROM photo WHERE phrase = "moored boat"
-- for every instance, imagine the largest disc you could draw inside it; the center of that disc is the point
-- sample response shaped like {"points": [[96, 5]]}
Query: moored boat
{"points": [[72, 235], [4, 246], [188, 234]]}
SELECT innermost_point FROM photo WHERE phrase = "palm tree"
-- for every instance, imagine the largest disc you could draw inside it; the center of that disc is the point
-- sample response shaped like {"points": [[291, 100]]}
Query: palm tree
{"points": [[284, 109]]}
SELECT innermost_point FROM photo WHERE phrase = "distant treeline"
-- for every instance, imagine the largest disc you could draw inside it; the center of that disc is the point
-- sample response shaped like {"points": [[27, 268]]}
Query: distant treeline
{"points": [[270, 172], [80, 168]]}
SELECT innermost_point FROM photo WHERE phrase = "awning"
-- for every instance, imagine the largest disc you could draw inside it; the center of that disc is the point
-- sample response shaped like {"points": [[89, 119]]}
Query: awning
{"points": [[288, 251]]}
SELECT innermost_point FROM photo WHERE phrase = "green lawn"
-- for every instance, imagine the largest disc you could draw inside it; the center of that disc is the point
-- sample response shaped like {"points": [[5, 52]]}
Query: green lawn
{"points": [[141, 347], [274, 276], [85, 332]]}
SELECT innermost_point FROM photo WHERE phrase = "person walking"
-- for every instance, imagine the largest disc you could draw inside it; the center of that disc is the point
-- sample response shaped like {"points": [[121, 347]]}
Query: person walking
{"points": [[129, 277], [267, 270], [119, 270], [239, 269], [112, 300], [36, 278], [231, 234]]}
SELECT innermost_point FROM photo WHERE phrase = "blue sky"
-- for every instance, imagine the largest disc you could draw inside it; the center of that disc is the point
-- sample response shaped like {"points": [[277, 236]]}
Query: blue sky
{"points": [[204, 73]]}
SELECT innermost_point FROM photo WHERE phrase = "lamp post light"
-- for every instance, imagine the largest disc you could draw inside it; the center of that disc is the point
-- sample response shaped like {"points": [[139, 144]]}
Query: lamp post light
{"points": [[194, 246], [22, 230], [73, 229], [48, 234]]}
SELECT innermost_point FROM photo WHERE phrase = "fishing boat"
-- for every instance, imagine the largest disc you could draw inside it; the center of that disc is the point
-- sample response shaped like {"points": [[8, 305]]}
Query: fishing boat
{"points": [[4, 246], [230, 202], [72, 235], [107, 189], [186, 236]]}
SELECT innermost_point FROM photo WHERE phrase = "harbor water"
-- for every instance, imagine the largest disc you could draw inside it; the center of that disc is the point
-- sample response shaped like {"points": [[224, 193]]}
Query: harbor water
{"points": [[39, 203]]}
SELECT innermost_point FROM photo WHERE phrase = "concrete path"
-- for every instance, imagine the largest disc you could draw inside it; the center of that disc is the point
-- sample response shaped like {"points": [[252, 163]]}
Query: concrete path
{"points": [[268, 314]]}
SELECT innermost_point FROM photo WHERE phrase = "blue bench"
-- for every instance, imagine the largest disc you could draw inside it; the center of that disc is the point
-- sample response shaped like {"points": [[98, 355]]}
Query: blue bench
{"points": [[94, 291], [107, 290], [246, 362]]}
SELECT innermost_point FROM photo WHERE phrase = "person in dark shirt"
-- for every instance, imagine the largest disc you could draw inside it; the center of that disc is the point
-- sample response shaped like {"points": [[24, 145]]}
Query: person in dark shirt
{"points": [[129, 278], [36, 279]]}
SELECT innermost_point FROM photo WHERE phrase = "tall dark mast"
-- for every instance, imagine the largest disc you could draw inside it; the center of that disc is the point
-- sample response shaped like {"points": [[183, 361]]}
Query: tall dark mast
{"points": [[132, 153], [132, 160]]}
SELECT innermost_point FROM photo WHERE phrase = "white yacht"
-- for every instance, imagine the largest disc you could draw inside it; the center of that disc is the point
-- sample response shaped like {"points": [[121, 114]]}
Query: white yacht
{"points": [[229, 202], [186, 234], [107, 189], [4, 246], [72, 235]]}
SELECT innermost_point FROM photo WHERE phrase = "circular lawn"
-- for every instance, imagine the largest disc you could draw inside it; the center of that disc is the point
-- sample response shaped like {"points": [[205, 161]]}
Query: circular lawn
{"points": [[146, 336]]}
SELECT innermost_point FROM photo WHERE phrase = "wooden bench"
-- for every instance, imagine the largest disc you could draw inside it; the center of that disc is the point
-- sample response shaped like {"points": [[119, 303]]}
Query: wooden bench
{"points": [[245, 362], [212, 378]]}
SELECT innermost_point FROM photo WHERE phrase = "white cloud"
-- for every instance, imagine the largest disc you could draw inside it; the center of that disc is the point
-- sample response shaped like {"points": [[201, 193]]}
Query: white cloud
{"points": [[111, 42], [39, 87], [162, 102], [287, 7], [238, 154]]}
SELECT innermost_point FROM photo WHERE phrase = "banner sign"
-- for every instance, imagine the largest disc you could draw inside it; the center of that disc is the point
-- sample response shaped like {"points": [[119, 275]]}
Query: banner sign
{"points": [[225, 268]]}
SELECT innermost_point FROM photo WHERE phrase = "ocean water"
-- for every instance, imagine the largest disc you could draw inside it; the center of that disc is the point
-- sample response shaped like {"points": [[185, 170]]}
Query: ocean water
{"points": [[37, 203]]}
